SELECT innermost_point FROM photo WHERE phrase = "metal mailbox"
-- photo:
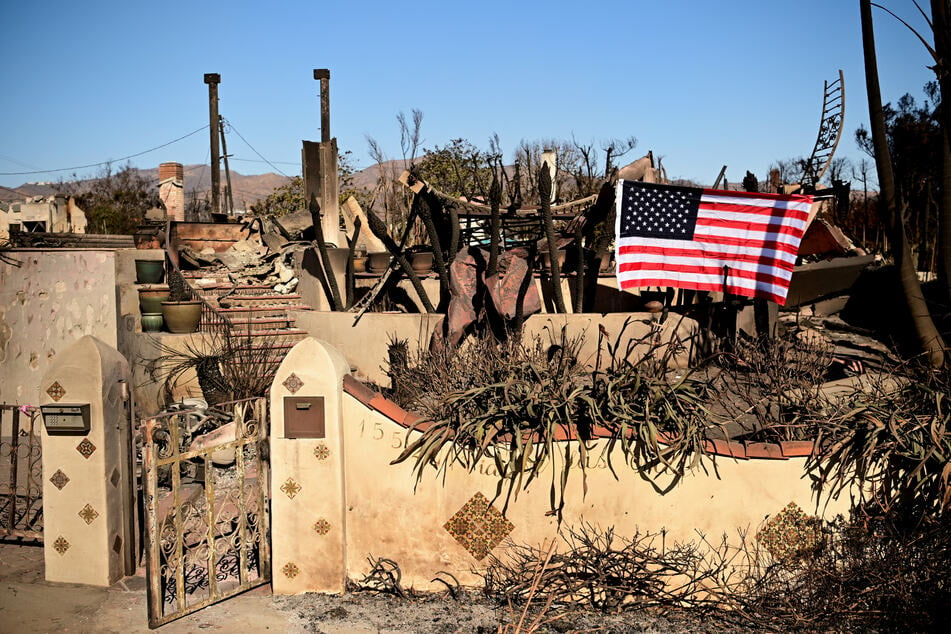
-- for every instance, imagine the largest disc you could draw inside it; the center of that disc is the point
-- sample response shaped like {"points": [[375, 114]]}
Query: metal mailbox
{"points": [[304, 417], [66, 418]]}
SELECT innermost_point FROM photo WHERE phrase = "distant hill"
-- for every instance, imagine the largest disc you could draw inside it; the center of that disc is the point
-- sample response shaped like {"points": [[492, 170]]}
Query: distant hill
{"points": [[246, 188]]}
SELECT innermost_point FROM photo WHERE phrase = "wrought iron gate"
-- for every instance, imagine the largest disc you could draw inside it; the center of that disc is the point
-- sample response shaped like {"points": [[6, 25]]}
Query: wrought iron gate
{"points": [[21, 459], [206, 511]]}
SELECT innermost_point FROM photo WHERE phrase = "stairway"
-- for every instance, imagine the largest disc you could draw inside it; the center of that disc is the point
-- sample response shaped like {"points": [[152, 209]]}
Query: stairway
{"points": [[255, 315]]}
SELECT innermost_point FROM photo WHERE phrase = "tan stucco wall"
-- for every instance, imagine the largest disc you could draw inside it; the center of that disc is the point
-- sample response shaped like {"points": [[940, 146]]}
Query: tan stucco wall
{"points": [[386, 518], [49, 299], [365, 346]]}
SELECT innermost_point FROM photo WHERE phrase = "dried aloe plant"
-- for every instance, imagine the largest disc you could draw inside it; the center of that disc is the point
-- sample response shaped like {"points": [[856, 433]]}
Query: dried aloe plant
{"points": [[511, 403]]}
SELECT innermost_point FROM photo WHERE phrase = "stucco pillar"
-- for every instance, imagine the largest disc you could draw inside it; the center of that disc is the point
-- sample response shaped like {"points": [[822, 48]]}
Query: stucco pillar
{"points": [[87, 508], [308, 518]]}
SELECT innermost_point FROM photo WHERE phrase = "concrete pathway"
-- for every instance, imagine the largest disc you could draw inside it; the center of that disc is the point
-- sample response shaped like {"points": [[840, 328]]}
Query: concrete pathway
{"points": [[30, 604]]}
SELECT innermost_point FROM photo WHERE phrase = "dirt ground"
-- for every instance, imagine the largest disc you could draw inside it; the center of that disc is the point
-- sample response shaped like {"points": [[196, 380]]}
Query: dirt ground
{"points": [[30, 604]]}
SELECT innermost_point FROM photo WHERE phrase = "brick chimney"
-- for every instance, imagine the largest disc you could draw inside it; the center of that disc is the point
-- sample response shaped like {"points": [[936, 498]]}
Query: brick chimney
{"points": [[172, 189]]}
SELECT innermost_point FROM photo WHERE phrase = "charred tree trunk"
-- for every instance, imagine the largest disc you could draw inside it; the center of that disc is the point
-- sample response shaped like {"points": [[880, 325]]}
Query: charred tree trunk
{"points": [[941, 24], [928, 336], [544, 191]]}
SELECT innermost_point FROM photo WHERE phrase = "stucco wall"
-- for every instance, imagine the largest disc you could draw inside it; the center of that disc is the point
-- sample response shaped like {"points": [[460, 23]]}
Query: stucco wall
{"points": [[365, 346], [49, 299], [386, 517]]}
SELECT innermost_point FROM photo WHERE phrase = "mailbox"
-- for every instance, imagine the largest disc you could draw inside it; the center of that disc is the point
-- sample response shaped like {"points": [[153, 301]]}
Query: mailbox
{"points": [[66, 419], [304, 417]]}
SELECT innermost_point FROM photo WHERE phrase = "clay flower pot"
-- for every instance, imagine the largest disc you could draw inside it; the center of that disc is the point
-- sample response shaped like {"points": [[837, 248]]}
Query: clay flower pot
{"points": [[149, 271], [152, 322], [377, 262], [182, 317], [360, 264], [421, 261], [151, 298]]}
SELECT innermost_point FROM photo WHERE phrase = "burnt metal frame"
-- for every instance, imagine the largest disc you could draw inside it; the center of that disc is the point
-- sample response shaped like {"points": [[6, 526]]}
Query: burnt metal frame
{"points": [[22, 514], [168, 555]]}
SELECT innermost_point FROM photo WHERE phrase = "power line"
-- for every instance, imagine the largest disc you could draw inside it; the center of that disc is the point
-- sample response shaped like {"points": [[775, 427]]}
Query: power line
{"points": [[124, 158], [235, 158], [230, 125]]}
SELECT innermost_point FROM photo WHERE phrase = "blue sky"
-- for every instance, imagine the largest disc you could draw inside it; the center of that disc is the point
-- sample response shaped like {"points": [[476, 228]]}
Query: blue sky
{"points": [[702, 84]]}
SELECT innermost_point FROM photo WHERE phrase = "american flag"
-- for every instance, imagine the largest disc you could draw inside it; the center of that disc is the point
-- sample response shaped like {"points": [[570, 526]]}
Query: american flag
{"points": [[708, 239]]}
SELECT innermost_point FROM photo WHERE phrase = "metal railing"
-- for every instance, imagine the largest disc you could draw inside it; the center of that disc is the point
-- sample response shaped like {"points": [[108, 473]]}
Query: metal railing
{"points": [[21, 456]]}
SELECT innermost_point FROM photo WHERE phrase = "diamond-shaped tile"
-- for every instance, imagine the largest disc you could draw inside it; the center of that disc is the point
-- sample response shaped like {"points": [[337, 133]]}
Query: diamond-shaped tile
{"points": [[117, 544], [89, 514], [59, 479], [321, 526], [86, 448], [322, 451], [478, 526], [290, 488], [56, 391], [293, 383], [790, 534], [290, 570], [61, 545], [114, 478]]}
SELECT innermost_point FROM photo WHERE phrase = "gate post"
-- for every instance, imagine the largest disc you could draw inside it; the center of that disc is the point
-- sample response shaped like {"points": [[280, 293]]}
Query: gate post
{"points": [[87, 509], [308, 518]]}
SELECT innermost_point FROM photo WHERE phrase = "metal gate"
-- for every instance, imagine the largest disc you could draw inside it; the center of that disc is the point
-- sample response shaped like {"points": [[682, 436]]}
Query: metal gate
{"points": [[21, 461], [206, 509]]}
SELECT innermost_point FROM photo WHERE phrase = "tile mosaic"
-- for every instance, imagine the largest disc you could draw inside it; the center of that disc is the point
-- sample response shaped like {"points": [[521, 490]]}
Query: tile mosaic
{"points": [[61, 545], [89, 514], [290, 488], [790, 534], [321, 526], [322, 451], [56, 391], [86, 448], [293, 383], [478, 526], [59, 479]]}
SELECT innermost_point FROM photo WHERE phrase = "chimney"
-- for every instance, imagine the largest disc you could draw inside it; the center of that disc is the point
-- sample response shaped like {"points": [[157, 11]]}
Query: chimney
{"points": [[172, 189]]}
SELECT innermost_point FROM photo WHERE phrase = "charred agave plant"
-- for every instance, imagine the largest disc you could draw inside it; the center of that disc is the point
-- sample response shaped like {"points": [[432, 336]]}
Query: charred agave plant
{"points": [[507, 402], [228, 366]]}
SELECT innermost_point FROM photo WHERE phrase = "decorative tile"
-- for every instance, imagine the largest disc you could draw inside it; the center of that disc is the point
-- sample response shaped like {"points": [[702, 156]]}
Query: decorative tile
{"points": [[86, 448], [114, 478], [293, 383], [290, 570], [61, 545], [89, 514], [321, 526], [322, 451], [790, 534], [478, 526], [56, 391], [59, 479], [290, 488], [117, 544]]}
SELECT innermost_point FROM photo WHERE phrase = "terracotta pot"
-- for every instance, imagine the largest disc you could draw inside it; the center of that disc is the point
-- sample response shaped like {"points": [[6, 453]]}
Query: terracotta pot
{"points": [[151, 298], [421, 261], [377, 262], [360, 265], [149, 271], [152, 322], [546, 260], [182, 317]]}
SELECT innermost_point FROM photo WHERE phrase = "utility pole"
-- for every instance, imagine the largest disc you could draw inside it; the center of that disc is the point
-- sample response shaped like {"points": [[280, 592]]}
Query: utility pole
{"points": [[213, 79], [224, 154]]}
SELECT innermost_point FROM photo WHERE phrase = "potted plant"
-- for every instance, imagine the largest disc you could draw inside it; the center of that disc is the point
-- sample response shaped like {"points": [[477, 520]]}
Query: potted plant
{"points": [[151, 297], [421, 259], [180, 312], [149, 271]]}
